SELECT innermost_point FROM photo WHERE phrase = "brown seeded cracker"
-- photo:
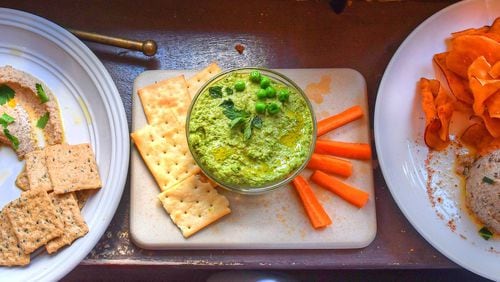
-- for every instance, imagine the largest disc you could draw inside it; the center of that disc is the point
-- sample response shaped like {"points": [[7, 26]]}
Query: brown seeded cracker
{"points": [[82, 197], [193, 204], [22, 180], [165, 151], [72, 168], [10, 252], [167, 97], [34, 220], [74, 224], [36, 171], [200, 78]]}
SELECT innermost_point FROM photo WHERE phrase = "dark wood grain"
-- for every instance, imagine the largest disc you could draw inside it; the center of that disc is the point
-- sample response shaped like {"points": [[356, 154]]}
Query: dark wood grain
{"points": [[275, 34]]}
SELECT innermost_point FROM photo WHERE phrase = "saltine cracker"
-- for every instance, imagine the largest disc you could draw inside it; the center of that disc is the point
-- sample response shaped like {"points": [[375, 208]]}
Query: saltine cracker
{"points": [[165, 151], [193, 204], [165, 99], [200, 78]]}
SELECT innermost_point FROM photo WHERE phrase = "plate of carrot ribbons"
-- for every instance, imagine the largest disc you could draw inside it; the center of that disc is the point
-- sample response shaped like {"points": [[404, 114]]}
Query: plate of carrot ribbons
{"points": [[437, 100]]}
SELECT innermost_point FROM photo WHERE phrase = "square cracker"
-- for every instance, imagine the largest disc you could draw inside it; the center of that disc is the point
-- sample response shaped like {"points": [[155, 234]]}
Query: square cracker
{"points": [[34, 220], [193, 204], [72, 168], [36, 171], [10, 252], [165, 98], [74, 224], [165, 151], [200, 78], [82, 197]]}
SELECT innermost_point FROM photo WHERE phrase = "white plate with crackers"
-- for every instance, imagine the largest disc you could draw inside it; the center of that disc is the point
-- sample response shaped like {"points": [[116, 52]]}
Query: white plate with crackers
{"points": [[72, 181]]}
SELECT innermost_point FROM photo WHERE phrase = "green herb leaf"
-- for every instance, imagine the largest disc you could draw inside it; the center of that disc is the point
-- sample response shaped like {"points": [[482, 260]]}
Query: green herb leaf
{"points": [[257, 122], [247, 133], [227, 104], [229, 91], [5, 120], [233, 113], [41, 93], [13, 139], [485, 233], [215, 91], [240, 117], [236, 122], [42, 121], [488, 180], [6, 94]]}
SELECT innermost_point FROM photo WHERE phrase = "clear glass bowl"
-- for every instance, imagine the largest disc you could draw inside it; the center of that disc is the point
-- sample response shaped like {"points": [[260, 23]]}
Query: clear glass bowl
{"points": [[266, 187]]}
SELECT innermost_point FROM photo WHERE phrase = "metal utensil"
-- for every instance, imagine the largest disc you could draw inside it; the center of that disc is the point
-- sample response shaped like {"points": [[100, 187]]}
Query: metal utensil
{"points": [[147, 47]]}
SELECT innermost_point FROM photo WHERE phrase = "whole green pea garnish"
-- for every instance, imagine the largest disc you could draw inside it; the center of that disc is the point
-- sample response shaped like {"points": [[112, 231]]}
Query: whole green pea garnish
{"points": [[265, 82], [261, 94], [273, 108], [270, 92], [239, 85], [255, 76], [283, 95], [260, 107]]}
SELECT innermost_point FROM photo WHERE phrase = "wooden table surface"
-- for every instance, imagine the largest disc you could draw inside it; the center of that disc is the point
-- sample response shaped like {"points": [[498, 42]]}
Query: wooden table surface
{"points": [[276, 34]]}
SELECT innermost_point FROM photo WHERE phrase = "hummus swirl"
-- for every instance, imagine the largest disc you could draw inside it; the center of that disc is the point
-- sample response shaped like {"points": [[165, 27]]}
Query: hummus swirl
{"points": [[26, 108]]}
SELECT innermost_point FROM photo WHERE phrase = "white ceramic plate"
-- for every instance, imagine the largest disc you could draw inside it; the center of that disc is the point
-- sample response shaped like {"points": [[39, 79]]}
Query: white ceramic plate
{"points": [[399, 127], [92, 113]]}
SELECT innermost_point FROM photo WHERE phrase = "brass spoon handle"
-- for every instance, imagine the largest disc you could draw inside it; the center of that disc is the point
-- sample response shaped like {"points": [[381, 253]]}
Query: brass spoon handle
{"points": [[147, 47]]}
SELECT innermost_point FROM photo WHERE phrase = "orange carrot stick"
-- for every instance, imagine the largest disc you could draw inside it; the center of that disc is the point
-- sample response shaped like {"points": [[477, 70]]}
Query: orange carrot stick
{"points": [[352, 195], [330, 164], [317, 215], [360, 151], [340, 119]]}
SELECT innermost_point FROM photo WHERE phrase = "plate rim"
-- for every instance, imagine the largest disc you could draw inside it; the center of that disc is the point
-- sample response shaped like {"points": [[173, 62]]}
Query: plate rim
{"points": [[99, 75], [377, 137]]}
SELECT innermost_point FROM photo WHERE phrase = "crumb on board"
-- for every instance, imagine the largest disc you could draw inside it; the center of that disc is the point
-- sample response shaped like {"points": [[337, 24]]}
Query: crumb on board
{"points": [[239, 48]]}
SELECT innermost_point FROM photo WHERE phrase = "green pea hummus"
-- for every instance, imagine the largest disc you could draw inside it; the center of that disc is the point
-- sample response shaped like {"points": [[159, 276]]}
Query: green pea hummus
{"points": [[277, 144]]}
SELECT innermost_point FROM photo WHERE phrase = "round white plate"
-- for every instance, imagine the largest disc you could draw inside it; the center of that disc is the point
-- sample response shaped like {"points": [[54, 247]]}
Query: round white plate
{"points": [[399, 127], [92, 113]]}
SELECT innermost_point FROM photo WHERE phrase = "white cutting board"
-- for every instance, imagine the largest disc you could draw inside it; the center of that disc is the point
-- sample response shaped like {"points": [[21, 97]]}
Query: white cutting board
{"points": [[275, 220]]}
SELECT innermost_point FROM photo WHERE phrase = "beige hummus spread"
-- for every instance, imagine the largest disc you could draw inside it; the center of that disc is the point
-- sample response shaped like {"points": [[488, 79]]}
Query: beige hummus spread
{"points": [[26, 103]]}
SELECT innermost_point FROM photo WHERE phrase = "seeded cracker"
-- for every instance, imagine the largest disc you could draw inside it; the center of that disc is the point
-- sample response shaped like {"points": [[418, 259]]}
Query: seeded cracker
{"points": [[200, 78], [165, 151], [36, 171], [34, 220], [82, 197], [74, 224], [10, 252], [167, 97], [72, 168], [22, 180], [193, 205]]}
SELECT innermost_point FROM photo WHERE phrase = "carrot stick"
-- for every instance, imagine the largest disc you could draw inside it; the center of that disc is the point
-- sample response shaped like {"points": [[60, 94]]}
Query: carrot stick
{"points": [[315, 212], [340, 119], [330, 164], [360, 151], [353, 195]]}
